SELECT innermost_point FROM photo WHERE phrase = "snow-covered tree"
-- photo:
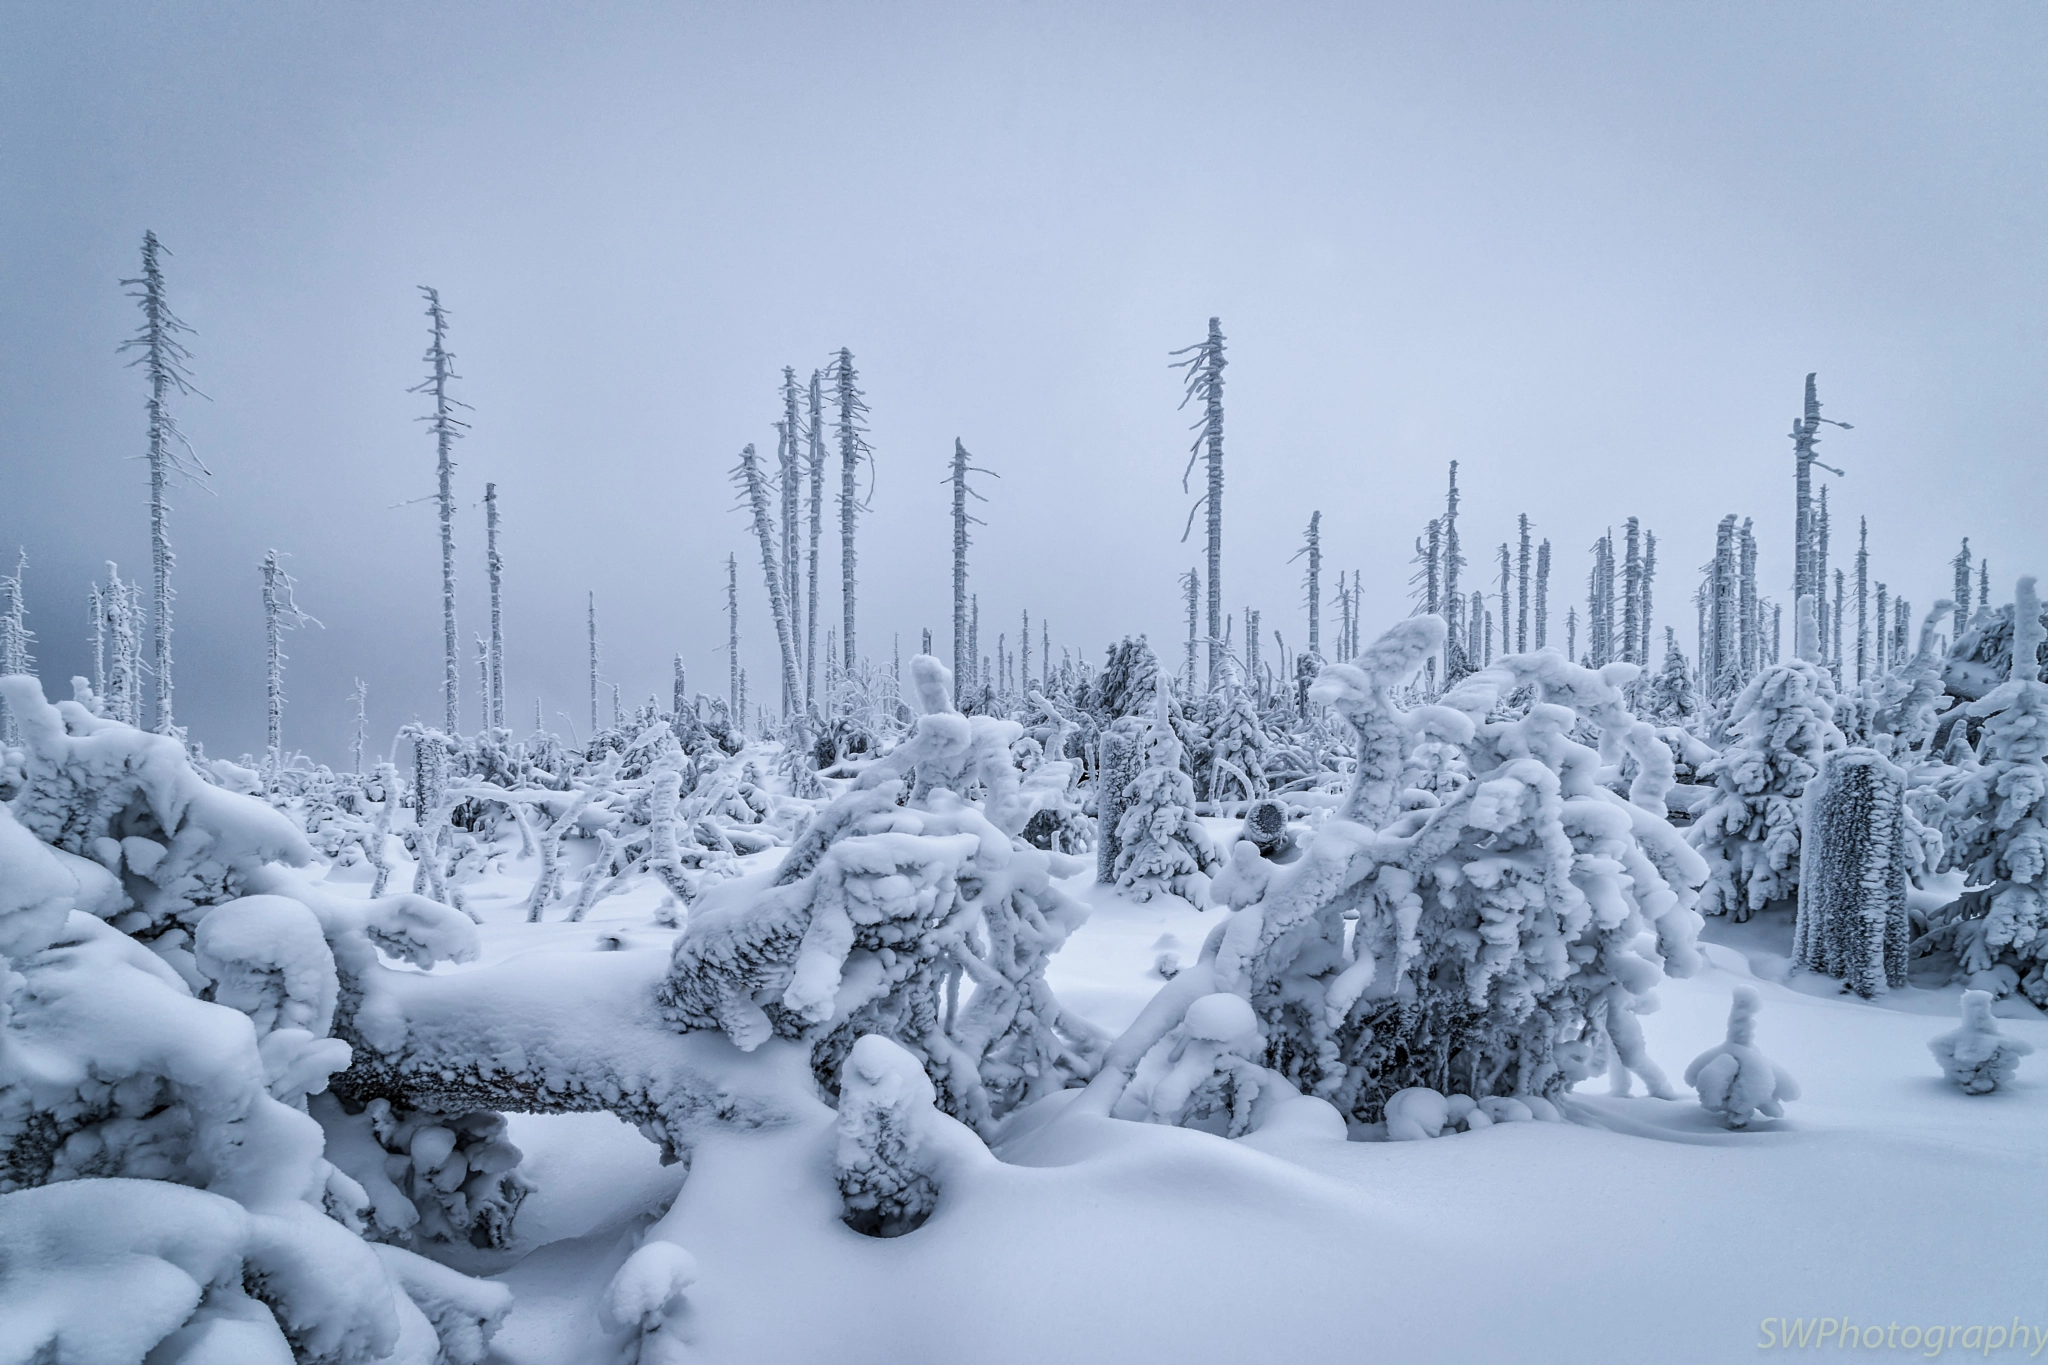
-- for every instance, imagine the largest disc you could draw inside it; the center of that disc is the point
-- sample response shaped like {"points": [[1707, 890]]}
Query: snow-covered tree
{"points": [[1975, 1055], [1502, 936], [1996, 826], [1736, 1083], [1781, 726], [1161, 846], [1236, 760], [172, 988], [928, 922], [1853, 862], [1668, 695]]}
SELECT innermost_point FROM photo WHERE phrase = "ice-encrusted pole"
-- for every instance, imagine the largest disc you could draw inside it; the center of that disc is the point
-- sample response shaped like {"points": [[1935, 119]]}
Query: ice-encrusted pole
{"points": [[163, 358], [447, 430], [1542, 592], [1204, 366]]}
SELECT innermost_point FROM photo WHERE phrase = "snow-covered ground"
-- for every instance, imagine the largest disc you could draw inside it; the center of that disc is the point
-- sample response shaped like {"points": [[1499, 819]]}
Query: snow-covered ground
{"points": [[1639, 1231]]}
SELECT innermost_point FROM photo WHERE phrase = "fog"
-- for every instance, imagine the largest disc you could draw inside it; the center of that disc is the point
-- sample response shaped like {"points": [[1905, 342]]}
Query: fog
{"points": [[1589, 251]]}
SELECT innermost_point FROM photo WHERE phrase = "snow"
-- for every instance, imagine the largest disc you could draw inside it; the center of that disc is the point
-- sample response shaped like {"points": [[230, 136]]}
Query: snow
{"points": [[713, 1193], [1133, 1229]]}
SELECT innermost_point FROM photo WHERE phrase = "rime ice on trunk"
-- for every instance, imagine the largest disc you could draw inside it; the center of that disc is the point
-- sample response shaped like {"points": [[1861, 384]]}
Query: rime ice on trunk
{"points": [[1542, 593], [732, 634], [1853, 859], [1522, 586], [447, 430], [1204, 366], [963, 654], [591, 630], [494, 716], [755, 487], [853, 449], [163, 358], [789, 473], [14, 637], [1863, 599], [814, 435], [359, 738], [1191, 588]]}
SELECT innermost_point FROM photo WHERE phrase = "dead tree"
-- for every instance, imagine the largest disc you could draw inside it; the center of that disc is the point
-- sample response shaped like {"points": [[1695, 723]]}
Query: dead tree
{"points": [[1204, 366], [164, 360]]}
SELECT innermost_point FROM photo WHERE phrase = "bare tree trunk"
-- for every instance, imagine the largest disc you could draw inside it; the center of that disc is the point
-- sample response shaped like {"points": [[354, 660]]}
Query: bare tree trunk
{"points": [[1204, 365], [495, 714], [732, 635], [790, 471], [815, 434], [963, 649], [446, 431], [1522, 587], [163, 358], [756, 488], [593, 662], [853, 448]]}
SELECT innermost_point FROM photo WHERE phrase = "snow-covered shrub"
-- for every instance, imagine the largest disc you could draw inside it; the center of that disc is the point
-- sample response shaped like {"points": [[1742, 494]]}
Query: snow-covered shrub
{"points": [[1503, 938], [1996, 827], [1781, 726], [1976, 1056], [155, 1150], [904, 910], [1211, 1067], [1854, 857], [1119, 751], [1161, 846], [642, 1300], [894, 1146], [1736, 1082]]}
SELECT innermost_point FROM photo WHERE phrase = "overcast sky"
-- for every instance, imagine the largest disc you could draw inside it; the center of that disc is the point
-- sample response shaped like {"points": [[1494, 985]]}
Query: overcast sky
{"points": [[1587, 250]]}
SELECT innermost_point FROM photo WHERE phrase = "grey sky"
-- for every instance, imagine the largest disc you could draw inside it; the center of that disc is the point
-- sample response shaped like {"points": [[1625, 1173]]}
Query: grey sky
{"points": [[1588, 250]]}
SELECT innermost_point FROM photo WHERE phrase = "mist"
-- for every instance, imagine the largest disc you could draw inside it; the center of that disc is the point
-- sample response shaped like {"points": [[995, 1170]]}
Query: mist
{"points": [[1589, 252]]}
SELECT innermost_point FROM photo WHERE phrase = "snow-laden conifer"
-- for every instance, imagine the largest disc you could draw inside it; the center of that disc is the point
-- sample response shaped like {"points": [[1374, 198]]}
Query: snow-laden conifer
{"points": [[1161, 846], [1781, 725], [1996, 826]]}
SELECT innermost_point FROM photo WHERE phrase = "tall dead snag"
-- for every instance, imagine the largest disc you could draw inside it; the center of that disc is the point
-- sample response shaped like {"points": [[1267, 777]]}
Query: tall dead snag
{"points": [[163, 359], [853, 451], [447, 430], [1204, 366], [755, 489], [963, 648]]}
